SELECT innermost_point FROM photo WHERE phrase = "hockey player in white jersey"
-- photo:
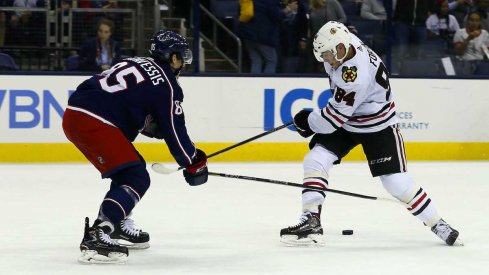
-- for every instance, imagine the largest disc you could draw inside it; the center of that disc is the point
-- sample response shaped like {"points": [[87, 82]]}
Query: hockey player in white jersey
{"points": [[361, 111]]}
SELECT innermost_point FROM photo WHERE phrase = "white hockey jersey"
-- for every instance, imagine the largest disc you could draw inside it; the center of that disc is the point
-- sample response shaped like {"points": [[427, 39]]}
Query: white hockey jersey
{"points": [[362, 100]]}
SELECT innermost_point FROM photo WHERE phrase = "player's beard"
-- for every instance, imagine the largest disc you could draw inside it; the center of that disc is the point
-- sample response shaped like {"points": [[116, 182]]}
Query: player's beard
{"points": [[177, 71]]}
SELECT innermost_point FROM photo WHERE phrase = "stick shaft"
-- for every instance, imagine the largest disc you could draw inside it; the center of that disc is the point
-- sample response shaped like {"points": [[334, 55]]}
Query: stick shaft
{"points": [[159, 167], [249, 140], [294, 185]]}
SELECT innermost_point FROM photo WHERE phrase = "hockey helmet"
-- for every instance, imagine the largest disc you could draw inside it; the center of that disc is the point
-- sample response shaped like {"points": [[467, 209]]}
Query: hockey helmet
{"points": [[328, 37], [164, 43]]}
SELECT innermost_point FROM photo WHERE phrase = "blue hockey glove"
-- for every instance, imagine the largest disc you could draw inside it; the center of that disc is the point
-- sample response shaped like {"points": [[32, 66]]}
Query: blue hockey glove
{"points": [[301, 123], [197, 173]]}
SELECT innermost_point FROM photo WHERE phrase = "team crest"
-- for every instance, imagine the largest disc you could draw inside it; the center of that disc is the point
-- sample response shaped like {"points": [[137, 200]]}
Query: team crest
{"points": [[349, 74]]}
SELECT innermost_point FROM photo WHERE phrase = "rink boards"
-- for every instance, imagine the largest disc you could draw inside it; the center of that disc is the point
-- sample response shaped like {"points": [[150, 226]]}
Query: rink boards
{"points": [[441, 119]]}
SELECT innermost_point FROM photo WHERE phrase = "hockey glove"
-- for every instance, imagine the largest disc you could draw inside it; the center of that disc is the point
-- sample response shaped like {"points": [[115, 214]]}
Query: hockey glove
{"points": [[152, 130], [301, 123], [197, 173]]}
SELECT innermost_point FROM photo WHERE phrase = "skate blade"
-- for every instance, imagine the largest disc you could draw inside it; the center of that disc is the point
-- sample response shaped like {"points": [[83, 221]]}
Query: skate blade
{"points": [[312, 240], [92, 257], [130, 245], [458, 242]]}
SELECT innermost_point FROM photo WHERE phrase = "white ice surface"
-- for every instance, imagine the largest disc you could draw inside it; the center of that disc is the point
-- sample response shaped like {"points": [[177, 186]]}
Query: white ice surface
{"points": [[230, 226]]}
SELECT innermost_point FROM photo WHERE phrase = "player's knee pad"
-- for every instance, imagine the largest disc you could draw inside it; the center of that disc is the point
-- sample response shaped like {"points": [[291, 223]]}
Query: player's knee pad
{"points": [[134, 180], [399, 185], [318, 160]]}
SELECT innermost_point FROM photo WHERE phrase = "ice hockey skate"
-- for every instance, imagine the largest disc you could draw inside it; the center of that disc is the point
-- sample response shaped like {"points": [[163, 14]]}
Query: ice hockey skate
{"points": [[98, 248], [308, 232], [127, 234], [447, 233]]}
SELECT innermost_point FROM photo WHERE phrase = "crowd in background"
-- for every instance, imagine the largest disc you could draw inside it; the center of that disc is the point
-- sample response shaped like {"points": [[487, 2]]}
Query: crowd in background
{"points": [[96, 41], [422, 30], [278, 38]]}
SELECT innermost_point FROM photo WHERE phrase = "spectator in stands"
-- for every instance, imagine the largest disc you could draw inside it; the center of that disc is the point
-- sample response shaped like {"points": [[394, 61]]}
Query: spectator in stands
{"points": [[65, 7], [261, 34], [97, 4], [323, 11], [293, 39], [472, 41], [453, 4], [410, 29], [441, 24], [24, 16], [482, 6], [3, 20], [99, 53], [460, 9], [91, 19], [28, 28], [373, 10]]}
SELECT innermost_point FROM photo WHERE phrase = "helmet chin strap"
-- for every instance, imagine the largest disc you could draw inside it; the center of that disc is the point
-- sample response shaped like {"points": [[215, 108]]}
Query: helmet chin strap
{"points": [[341, 59]]}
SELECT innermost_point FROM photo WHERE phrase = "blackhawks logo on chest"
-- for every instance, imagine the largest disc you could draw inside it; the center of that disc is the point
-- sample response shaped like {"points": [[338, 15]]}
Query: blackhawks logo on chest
{"points": [[349, 74]]}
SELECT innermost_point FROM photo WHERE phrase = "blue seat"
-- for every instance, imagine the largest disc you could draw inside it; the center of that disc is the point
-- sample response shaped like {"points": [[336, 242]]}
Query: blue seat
{"points": [[482, 68], [435, 47], [7, 63], [225, 8], [72, 63], [420, 68], [463, 67]]}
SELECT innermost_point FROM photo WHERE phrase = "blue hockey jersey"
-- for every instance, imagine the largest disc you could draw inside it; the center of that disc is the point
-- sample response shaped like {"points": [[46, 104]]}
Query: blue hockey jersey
{"points": [[133, 93]]}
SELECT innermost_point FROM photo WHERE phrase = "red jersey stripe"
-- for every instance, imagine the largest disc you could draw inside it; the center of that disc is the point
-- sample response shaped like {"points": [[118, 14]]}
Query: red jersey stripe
{"points": [[417, 202], [375, 117]]}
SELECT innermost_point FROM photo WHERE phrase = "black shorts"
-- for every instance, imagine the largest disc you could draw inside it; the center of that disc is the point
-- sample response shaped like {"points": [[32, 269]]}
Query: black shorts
{"points": [[384, 149]]}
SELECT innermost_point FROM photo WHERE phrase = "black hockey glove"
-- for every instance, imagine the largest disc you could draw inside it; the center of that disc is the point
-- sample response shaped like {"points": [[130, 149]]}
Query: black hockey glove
{"points": [[301, 124], [197, 173], [152, 130]]}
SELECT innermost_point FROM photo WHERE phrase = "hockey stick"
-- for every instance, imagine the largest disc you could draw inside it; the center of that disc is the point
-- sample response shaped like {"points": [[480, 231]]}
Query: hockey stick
{"points": [[162, 169], [303, 186]]}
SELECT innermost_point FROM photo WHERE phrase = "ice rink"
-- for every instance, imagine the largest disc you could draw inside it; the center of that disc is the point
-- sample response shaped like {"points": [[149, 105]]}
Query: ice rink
{"points": [[230, 226]]}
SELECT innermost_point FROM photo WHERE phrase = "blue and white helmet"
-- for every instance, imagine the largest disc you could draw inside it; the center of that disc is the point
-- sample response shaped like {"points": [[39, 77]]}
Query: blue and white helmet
{"points": [[164, 43]]}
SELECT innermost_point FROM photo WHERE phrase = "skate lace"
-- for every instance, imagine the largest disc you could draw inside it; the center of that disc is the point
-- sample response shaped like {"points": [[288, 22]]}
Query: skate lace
{"points": [[130, 228], [105, 237], [442, 230], [302, 219]]}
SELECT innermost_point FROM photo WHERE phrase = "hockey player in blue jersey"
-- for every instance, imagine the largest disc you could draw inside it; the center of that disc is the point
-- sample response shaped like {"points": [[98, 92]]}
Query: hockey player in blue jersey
{"points": [[105, 115]]}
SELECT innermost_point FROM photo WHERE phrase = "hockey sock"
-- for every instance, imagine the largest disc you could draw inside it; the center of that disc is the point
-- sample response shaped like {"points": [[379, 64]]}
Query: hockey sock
{"points": [[127, 188], [316, 168], [402, 187], [422, 207], [313, 199], [116, 205]]}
